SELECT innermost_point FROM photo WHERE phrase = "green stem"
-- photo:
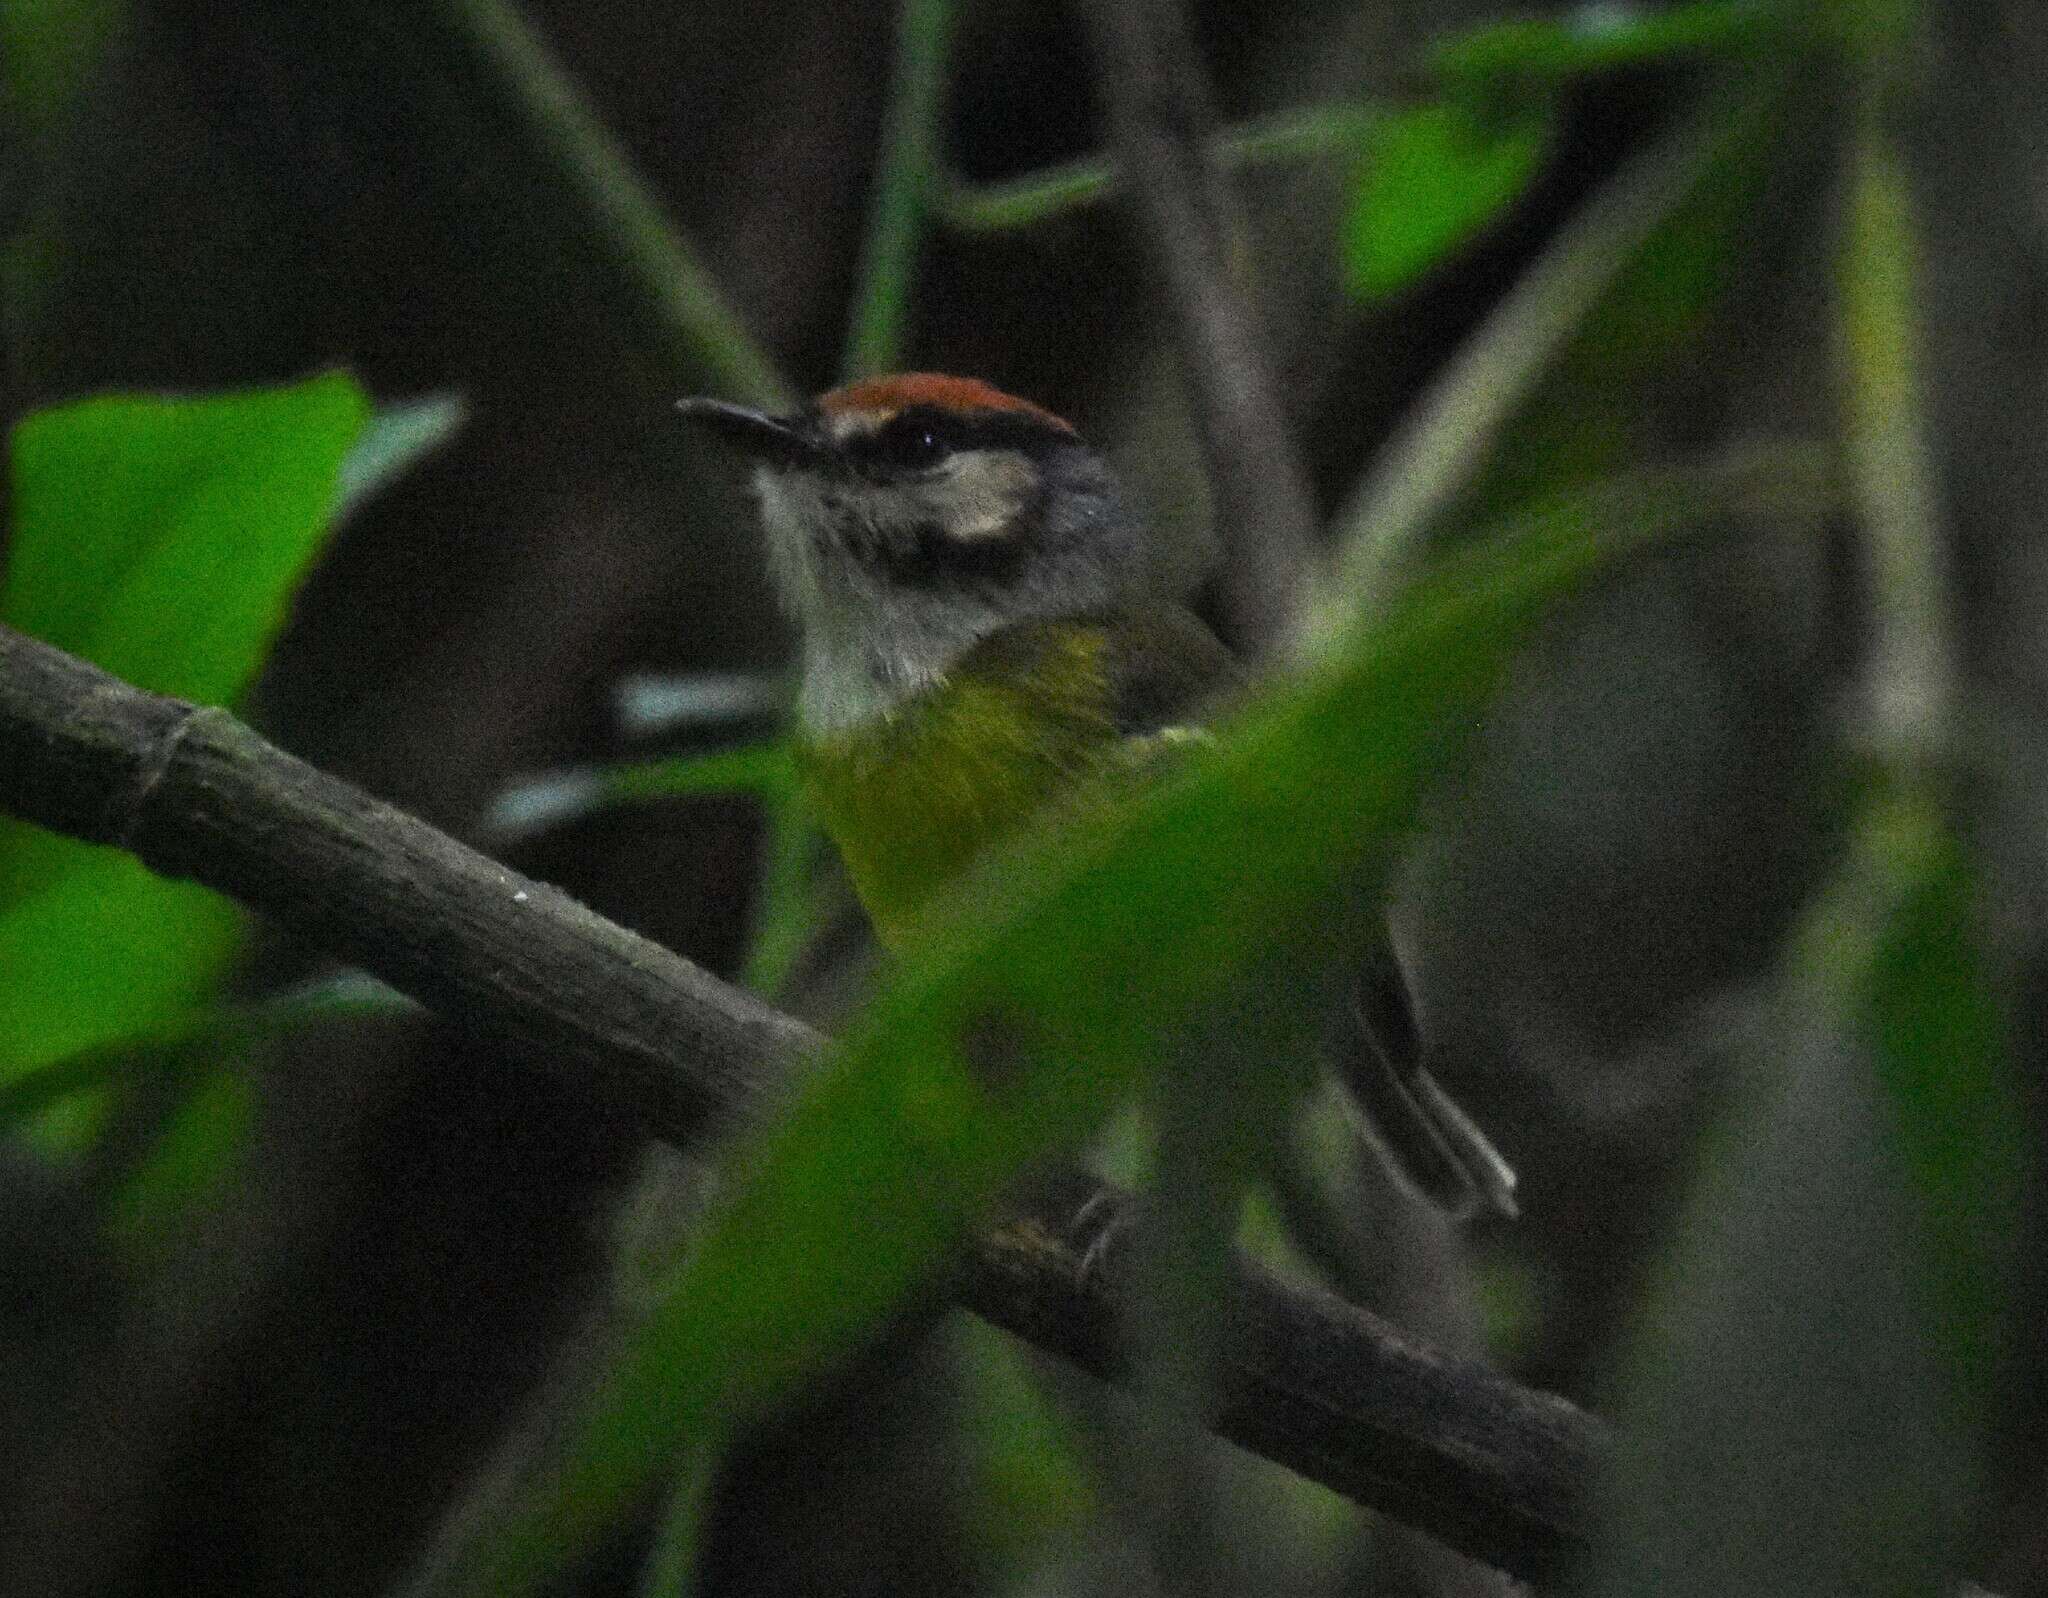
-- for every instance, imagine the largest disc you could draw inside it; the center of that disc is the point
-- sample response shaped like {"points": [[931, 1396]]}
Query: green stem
{"points": [[1912, 661], [787, 898], [1301, 135], [671, 1567], [1445, 438], [904, 189], [705, 332]]}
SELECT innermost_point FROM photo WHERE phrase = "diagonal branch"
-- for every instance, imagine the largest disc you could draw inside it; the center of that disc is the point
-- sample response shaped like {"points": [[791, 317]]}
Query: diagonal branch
{"points": [[1493, 1469], [1163, 126]]}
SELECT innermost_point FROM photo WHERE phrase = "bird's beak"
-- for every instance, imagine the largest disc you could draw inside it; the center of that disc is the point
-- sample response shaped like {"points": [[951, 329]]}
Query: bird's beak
{"points": [[772, 440]]}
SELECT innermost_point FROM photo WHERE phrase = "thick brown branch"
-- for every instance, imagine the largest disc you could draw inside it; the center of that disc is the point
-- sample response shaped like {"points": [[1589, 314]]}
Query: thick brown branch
{"points": [[1492, 1469], [1162, 126], [194, 793]]}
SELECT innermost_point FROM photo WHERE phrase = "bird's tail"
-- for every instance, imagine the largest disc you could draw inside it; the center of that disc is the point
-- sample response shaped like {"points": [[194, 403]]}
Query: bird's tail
{"points": [[1425, 1138]]}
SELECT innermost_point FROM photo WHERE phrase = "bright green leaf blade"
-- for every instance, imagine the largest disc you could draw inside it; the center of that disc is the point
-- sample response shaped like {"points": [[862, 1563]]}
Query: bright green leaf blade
{"points": [[221, 1028], [762, 769], [895, 1146], [160, 538], [1434, 177], [103, 951]]}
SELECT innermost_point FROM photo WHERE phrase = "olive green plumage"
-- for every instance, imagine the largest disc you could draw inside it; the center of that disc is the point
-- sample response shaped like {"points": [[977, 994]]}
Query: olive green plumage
{"points": [[1036, 713]]}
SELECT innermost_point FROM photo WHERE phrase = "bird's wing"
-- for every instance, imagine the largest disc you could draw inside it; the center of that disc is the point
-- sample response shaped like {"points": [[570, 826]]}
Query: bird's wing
{"points": [[1169, 674], [1166, 670]]}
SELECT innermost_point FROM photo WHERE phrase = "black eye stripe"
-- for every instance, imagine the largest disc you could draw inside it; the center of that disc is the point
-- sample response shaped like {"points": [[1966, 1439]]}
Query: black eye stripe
{"points": [[920, 437], [913, 439]]}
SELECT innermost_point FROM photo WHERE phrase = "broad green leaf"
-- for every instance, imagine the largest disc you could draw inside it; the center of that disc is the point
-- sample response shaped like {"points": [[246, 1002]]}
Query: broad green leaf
{"points": [[1439, 173], [1433, 177], [219, 1028], [101, 951], [160, 538], [1092, 947]]}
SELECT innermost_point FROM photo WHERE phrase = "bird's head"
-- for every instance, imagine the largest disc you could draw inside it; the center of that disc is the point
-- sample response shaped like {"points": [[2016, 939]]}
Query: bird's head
{"points": [[910, 517]]}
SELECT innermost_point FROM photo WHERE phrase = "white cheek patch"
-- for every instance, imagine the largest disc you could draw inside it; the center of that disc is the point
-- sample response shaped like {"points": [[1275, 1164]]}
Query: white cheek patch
{"points": [[978, 493]]}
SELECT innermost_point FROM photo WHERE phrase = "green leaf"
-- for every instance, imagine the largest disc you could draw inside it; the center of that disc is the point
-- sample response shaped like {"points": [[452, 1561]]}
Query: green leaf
{"points": [[1595, 411], [160, 538], [1524, 407], [188, 1165], [1940, 1044], [1433, 178], [1593, 39], [856, 1194], [101, 951], [218, 1030]]}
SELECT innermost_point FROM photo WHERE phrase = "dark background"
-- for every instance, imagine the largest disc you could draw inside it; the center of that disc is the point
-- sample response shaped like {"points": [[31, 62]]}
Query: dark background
{"points": [[251, 191]]}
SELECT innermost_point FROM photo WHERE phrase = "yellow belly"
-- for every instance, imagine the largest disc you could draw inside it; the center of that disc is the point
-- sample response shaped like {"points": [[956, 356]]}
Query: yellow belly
{"points": [[913, 799]]}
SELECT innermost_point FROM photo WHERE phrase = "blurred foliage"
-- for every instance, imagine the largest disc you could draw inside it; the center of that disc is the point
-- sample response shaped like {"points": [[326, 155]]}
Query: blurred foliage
{"points": [[1436, 175], [900, 1143], [1804, 1393], [161, 539]]}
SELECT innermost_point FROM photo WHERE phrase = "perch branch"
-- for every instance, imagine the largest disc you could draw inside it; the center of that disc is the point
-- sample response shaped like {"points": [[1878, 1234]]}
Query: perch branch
{"points": [[1493, 1469]]}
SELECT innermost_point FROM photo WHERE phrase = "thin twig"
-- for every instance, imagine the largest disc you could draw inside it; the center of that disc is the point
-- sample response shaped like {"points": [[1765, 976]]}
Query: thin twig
{"points": [[1162, 126], [1969, 130], [707, 334], [1493, 1469], [1454, 427], [1325, 132], [1911, 663], [904, 189]]}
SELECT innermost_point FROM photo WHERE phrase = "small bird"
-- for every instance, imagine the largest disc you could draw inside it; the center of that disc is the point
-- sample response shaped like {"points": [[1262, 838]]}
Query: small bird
{"points": [[977, 639]]}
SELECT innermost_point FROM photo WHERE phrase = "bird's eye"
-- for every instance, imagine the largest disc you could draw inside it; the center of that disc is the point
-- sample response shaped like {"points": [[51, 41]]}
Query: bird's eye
{"points": [[910, 440]]}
